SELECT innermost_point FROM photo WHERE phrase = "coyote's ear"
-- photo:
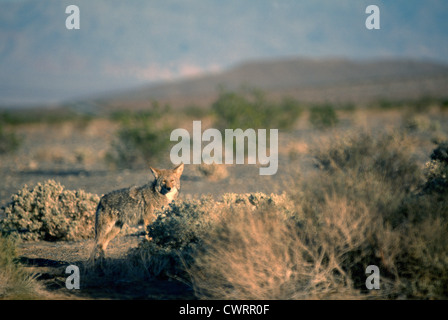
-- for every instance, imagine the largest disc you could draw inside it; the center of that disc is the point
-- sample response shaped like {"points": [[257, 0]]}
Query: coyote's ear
{"points": [[179, 169], [155, 172]]}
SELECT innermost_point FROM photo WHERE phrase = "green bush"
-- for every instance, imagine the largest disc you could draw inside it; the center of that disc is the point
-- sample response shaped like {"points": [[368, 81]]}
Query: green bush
{"points": [[196, 112], [421, 105], [252, 110], [323, 116], [49, 212], [143, 138], [286, 113], [443, 104], [9, 141]]}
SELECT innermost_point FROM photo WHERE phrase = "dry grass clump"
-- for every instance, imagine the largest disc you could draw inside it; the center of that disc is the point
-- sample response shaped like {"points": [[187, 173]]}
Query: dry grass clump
{"points": [[261, 255], [390, 155], [15, 283], [267, 254], [381, 174]]}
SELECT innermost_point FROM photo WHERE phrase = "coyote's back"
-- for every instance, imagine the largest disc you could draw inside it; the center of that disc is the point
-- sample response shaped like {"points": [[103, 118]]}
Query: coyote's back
{"points": [[134, 205]]}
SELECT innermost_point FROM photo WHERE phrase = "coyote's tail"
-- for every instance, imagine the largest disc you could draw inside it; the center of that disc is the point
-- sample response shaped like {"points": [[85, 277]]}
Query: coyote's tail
{"points": [[95, 251], [99, 208]]}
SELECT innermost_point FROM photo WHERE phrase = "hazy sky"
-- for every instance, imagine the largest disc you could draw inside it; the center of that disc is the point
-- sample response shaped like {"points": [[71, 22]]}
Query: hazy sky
{"points": [[122, 44]]}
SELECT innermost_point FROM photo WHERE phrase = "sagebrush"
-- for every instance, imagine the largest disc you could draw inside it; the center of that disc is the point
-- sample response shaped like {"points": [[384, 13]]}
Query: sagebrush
{"points": [[50, 212]]}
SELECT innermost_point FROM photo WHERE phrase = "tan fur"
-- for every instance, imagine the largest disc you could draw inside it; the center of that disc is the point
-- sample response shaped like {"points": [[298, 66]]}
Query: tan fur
{"points": [[133, 205]]}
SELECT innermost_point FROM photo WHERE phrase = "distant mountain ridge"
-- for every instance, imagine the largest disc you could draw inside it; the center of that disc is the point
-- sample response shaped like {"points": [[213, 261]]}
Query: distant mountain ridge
{"points": [[305, 79]]}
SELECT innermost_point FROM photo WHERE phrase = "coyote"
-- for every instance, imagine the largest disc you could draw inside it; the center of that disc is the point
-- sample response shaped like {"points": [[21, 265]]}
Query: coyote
{"points": [[133, 205]]}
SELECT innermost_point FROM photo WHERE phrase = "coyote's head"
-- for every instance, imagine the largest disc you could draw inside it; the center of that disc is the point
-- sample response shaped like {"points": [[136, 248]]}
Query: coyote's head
{"points": [[167, 182]]}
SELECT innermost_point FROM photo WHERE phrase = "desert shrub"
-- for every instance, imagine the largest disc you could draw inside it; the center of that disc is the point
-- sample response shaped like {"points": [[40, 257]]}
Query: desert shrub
{"points": [[175, 233], [437, 176], [286, 113], [323, 116], [49, 212], [436, 171], [43, 115], [261, 200], [270, 252], [441, 153], [384, 104], [443, 104], [419, 123], [143, 138], [9, 141], [180, 229], [421, 105], [260, 254], [412, 256], [380, 174], [423, 260], [265, 253], [348, 107], [251, 109], [15, 283], [381, 171], [196, 112], [388, 156]]}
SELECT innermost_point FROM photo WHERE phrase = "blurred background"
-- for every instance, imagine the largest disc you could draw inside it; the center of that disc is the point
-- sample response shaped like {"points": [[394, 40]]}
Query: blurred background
{"points": [[127, 45], [77, 104]]}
